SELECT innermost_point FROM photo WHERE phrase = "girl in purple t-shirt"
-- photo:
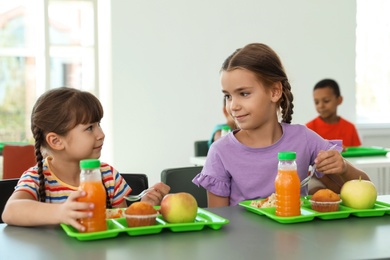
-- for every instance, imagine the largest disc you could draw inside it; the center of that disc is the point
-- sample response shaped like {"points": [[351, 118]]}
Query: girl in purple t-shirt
{"points": [[243, 164]]}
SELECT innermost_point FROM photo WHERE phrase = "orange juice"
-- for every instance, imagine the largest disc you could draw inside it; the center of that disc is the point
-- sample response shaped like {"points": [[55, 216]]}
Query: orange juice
{"points": [[91, 183], [97, 195], [287, 187]]}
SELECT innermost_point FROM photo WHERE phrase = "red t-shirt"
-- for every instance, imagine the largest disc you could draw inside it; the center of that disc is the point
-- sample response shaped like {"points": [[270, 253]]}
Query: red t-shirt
{"points": [[343, 130]]}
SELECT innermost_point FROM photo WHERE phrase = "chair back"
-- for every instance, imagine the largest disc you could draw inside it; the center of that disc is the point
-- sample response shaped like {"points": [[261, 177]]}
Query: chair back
{"points": [[180, 180], [7, 187], [137, 181], [201, 148], [17, 159]]}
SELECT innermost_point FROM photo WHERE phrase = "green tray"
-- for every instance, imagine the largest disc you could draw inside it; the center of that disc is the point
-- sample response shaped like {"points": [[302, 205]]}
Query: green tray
{"points": [[364, 151], [119, 225], [307, 214]]}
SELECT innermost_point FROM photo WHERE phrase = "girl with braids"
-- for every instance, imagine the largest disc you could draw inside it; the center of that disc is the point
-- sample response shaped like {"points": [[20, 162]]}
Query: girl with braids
{"points": [[65, 123], [243, 164]]}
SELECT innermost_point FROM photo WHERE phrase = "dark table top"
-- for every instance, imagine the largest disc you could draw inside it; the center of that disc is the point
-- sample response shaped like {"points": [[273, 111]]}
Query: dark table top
{"points": [[247, 236]]}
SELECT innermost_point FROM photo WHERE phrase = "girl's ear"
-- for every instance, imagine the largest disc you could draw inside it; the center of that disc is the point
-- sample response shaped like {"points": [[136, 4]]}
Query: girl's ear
{"points": [[54, 141], [276, 91]]}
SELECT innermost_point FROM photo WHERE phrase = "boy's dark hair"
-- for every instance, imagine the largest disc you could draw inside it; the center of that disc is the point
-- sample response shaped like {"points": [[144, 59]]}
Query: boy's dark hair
{"points": [[266, 65], [328, 83]]}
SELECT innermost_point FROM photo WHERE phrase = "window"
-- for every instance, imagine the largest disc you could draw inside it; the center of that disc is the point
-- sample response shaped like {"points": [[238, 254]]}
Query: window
{"points": [[44, 44], [373, 62]]}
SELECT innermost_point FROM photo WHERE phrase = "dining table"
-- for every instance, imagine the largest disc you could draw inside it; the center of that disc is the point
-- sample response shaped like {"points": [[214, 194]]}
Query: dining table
{"points": [[246, 236]]}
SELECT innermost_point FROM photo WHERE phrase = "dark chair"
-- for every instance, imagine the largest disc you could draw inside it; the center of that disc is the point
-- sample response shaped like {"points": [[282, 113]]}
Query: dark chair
{"points": [[180, 180], [201, 148], [6, 189], [17, 159], [137, 181]]}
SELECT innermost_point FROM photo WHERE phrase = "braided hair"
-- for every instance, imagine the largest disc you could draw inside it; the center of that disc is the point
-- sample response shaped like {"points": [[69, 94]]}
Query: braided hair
{"points": [[59, 110], [266, 65]]}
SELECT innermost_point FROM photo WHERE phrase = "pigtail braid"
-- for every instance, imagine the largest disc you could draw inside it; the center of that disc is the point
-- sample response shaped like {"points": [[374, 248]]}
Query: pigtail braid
{"points": [[286, 103], [38, 136]]}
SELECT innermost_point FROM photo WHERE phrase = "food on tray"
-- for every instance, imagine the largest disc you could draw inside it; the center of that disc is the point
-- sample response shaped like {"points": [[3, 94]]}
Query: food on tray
{"points": [[269, 202], [180, 207], [359, 194], [115, 213], [325, 195], [140, 214], [325, 200]]}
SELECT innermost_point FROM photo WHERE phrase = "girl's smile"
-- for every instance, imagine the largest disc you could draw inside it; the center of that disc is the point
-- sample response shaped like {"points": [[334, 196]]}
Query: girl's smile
{"points": [[240, 118]]}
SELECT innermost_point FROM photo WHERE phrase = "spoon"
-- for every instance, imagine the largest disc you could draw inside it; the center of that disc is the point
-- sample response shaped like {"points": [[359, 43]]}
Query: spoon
{"points": [[306, 180], [137, 197]]}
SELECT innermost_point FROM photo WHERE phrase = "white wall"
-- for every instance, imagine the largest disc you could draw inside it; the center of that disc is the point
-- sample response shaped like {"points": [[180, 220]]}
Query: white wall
{"points": [[166, 57]]}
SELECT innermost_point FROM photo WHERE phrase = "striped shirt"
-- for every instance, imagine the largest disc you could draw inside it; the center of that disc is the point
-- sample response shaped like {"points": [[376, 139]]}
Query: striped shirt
{"points": [[58, 191]]}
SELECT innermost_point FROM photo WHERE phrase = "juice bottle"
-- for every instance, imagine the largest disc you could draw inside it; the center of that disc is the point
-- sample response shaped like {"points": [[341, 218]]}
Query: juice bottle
{"points": [[287, 186], [91, 183]]}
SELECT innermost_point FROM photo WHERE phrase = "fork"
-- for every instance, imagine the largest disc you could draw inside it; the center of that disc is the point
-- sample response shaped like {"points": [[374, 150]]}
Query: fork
{"points": [[306, 180], [137, 197]]}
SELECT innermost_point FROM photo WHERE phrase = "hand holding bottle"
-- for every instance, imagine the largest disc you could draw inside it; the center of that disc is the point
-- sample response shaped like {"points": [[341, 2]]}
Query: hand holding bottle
{"points": [[91, 182], [72, 210]]}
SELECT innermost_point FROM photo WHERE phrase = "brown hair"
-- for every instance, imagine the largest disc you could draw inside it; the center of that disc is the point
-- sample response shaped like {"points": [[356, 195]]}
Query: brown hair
{"points": [[59, 110], [266, 65]]}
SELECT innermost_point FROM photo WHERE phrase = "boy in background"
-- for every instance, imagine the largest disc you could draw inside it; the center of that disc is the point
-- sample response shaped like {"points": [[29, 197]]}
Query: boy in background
{"points": [[328, 124]]}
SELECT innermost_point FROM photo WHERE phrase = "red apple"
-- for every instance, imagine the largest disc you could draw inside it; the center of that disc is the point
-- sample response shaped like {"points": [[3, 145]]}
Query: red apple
{"points": [[358, 194], [179, 207]]}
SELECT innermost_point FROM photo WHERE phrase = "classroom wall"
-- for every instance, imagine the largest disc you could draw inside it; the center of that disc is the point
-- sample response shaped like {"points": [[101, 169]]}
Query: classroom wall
{"points": [[166, 57]]}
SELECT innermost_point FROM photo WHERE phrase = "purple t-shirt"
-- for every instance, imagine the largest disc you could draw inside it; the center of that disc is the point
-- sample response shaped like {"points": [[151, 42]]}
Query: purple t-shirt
{"points": [[244, 173]]}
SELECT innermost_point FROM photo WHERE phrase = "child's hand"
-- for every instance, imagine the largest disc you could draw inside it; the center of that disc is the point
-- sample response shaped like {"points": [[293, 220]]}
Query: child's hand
{"points": [[155, 195], [330, 162], [72, 210]]}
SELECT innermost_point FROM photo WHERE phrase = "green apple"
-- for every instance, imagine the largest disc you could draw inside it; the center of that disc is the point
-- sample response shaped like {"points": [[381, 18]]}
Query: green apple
{"points": [[179, 207], [359, 194]]}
